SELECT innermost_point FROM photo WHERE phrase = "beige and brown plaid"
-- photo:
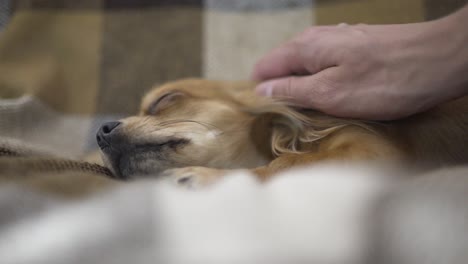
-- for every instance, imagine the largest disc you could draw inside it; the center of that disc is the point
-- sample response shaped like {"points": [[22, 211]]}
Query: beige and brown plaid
{"points": [[67, 66]]}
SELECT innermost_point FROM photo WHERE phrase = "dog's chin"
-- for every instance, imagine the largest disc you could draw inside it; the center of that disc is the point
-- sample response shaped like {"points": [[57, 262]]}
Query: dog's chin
{"points": [[136, 165], [128, 161], [112, 165], [139, 169]]}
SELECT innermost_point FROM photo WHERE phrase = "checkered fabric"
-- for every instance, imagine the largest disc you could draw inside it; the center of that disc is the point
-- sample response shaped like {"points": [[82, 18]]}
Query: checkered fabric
{"points": [[66, 66]]}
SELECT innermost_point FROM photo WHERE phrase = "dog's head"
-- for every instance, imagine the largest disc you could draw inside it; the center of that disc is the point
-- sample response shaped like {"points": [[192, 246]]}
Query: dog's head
{"points": [[185, 123], [201, 123]]}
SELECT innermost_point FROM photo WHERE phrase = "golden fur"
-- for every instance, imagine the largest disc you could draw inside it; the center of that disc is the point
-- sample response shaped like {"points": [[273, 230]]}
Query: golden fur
{"points": [[196, 130]]}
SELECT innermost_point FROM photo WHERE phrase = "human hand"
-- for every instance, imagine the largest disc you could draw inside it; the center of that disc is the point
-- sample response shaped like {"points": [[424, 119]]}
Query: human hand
{"points": [[377, 72]]}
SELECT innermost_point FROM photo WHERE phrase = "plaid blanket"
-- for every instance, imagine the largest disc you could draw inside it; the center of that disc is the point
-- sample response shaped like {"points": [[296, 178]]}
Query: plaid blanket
{"points": [[66, 66]]}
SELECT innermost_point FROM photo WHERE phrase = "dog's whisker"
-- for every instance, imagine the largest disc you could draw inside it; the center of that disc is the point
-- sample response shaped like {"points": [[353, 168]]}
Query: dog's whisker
{"points": [[204, 124], [143, 123]]}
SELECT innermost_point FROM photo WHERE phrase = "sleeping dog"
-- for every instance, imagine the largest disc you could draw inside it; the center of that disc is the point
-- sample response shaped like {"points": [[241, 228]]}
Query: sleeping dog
{"points": [[195, 131]]}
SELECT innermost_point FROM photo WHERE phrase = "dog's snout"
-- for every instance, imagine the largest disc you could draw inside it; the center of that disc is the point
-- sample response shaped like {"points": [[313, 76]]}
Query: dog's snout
{"points": [[105, 132]]}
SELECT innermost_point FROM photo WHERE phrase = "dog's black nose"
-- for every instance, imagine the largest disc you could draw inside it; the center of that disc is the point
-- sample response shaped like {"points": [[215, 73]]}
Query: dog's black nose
{"points": [[107, 128], [105, 133]]}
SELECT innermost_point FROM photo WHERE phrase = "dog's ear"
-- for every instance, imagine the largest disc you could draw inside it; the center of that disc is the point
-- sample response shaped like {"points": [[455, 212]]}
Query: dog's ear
{"points": [[278, 128], [288, 128], [261, 134], [284, 126]]}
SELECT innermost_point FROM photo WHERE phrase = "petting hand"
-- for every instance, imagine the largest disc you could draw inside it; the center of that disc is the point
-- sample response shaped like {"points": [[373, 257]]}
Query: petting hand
{"points": [[376, 72]]}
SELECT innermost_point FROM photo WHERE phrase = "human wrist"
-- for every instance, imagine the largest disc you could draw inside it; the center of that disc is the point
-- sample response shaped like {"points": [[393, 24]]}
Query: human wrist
{"points": [[436, 56], [455, 39]]}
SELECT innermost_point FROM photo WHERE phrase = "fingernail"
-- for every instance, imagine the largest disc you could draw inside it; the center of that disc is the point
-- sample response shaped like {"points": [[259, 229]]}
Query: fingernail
{"points": [[265, 89]]}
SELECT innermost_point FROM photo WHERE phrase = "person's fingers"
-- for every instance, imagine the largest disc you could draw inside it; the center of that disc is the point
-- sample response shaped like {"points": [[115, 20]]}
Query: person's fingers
{"points": [[313, 91], [309, 52], [282, 61]]}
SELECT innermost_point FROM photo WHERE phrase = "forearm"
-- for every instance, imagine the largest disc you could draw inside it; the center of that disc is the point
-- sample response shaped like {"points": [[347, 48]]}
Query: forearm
{"points": [[457, 42]]}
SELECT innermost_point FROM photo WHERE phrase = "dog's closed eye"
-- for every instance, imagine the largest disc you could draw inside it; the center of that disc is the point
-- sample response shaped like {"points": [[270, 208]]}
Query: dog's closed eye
{"points": [[163, 102]]}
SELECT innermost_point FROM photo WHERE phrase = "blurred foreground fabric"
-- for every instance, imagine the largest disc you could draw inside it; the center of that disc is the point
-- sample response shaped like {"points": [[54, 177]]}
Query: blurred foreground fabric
{"points": [[325, 214], [68, 66]]}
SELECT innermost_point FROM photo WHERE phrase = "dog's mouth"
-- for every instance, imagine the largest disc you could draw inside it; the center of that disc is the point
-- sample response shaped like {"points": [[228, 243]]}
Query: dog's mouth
{"points": [[127, 160]]}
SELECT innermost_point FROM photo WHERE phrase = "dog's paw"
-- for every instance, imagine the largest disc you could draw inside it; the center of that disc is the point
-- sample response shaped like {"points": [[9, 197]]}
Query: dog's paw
{"points": [[193, 177]]}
